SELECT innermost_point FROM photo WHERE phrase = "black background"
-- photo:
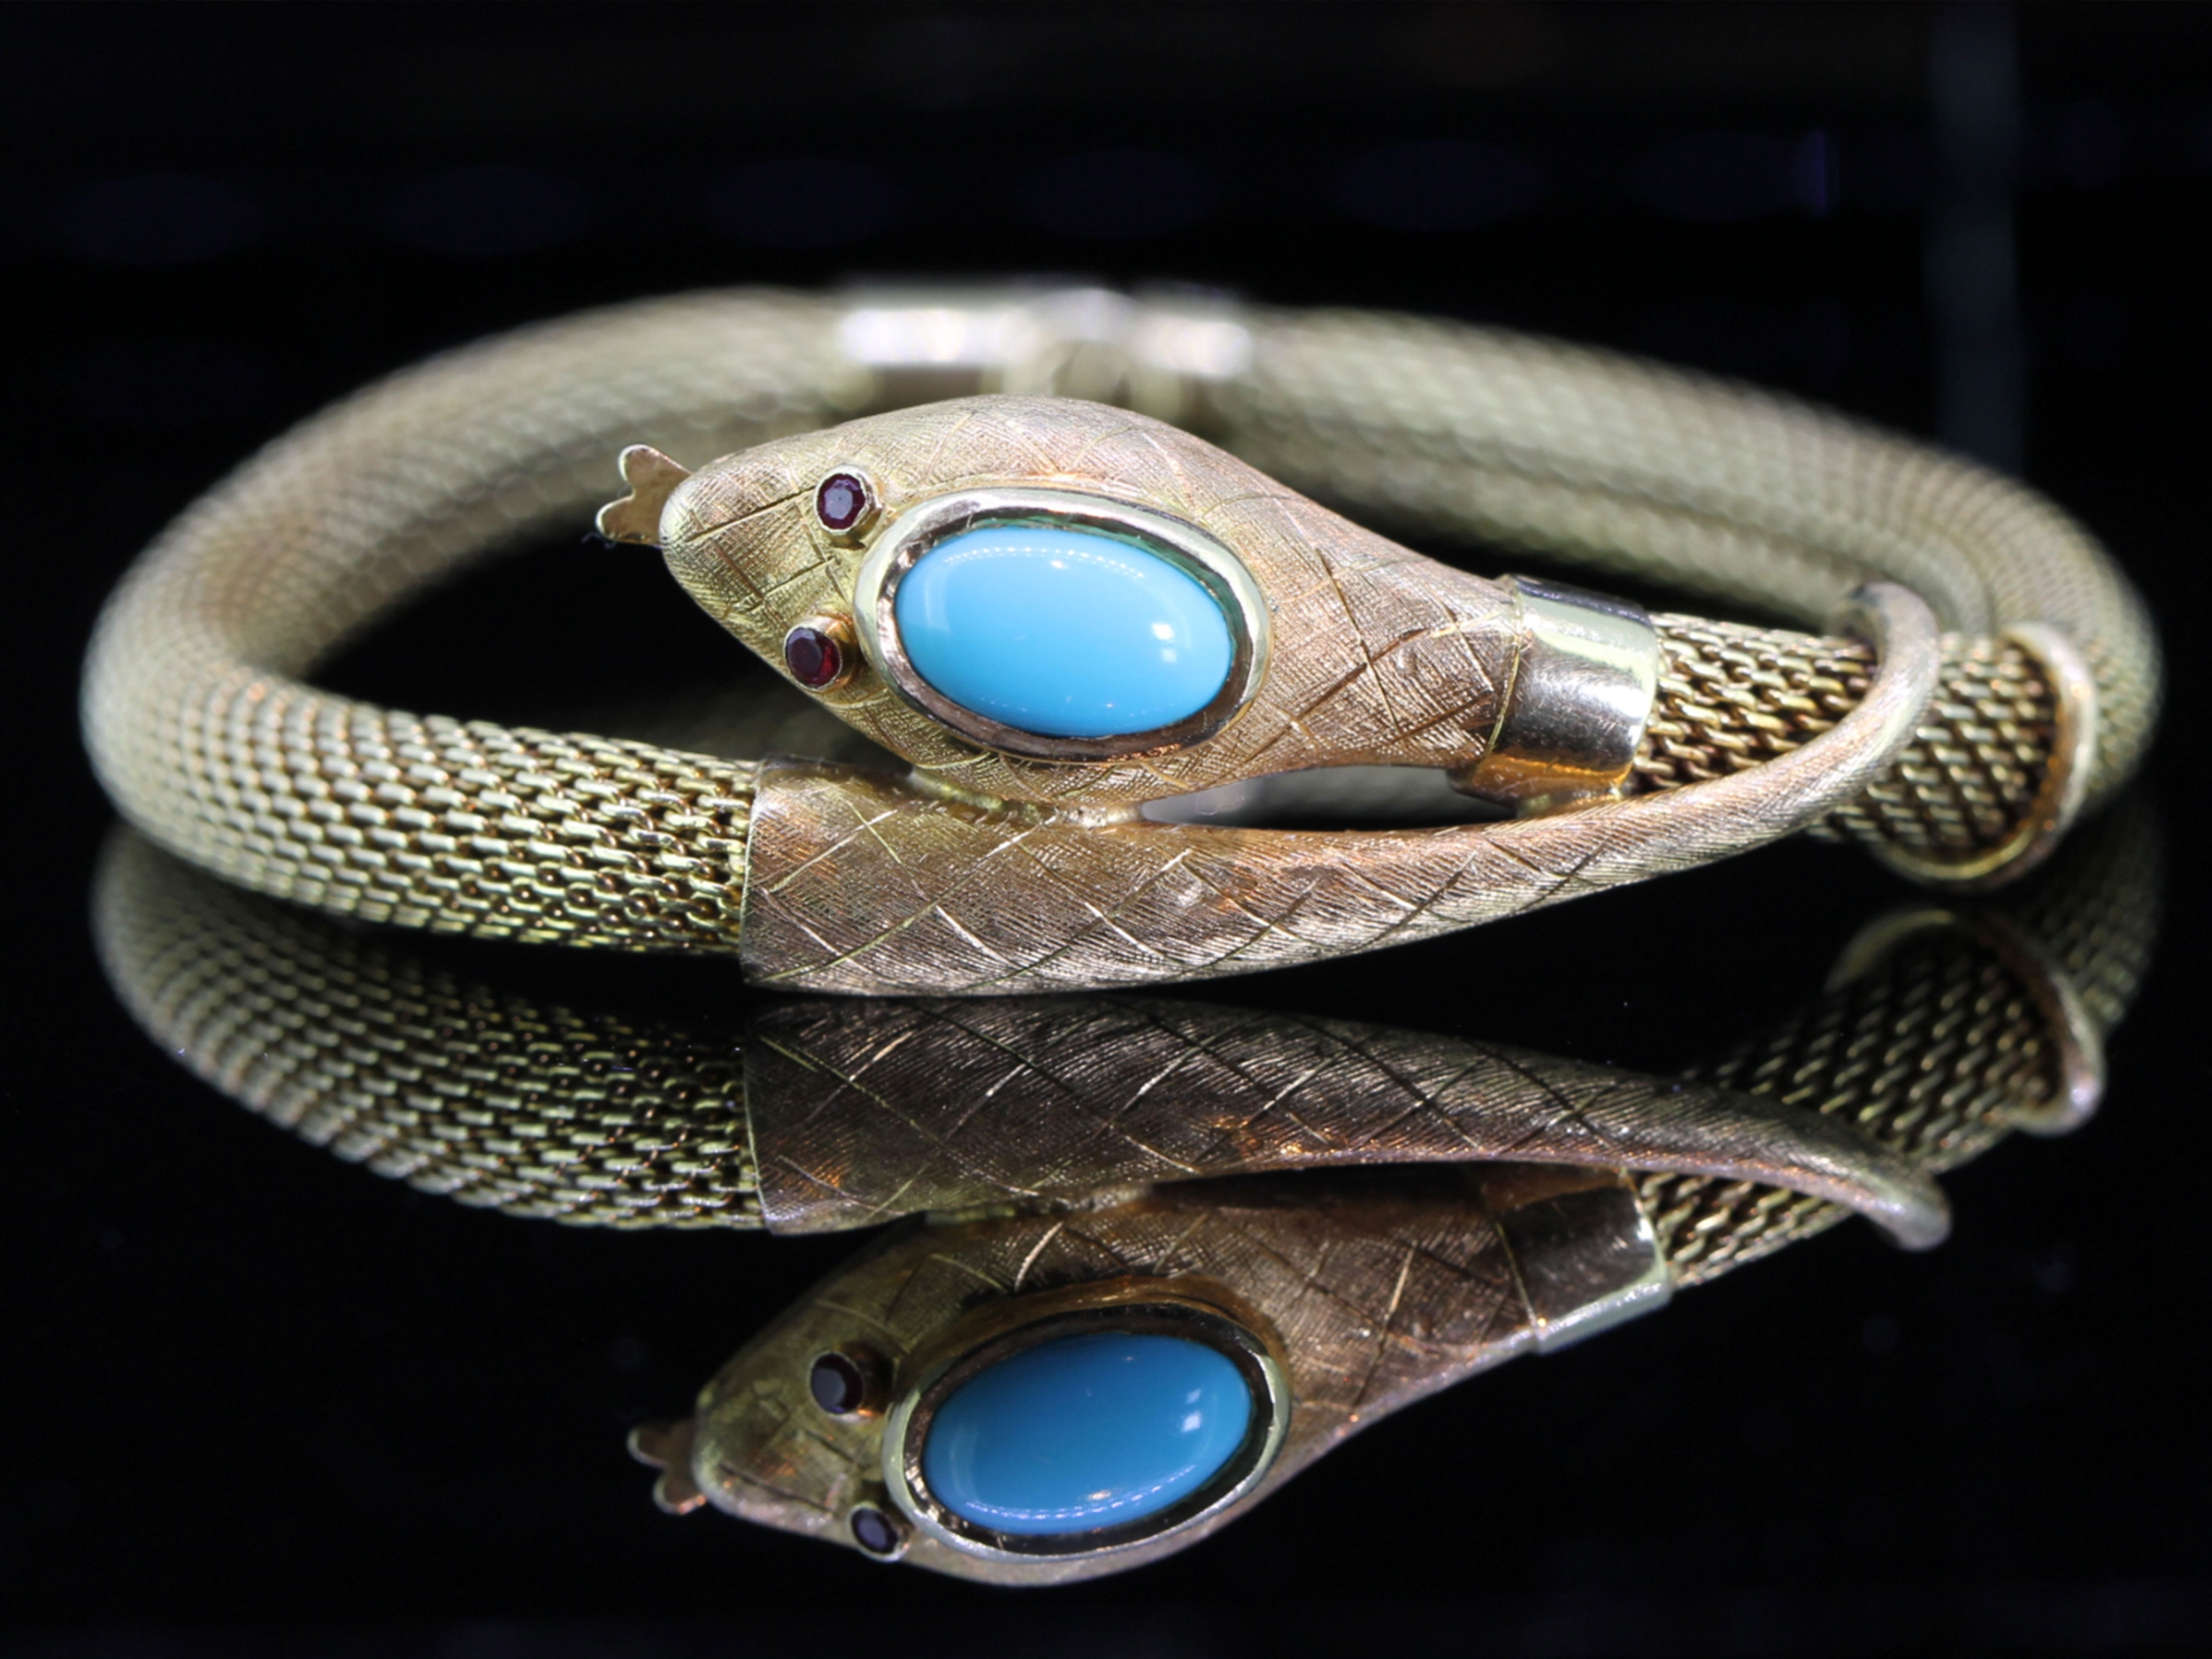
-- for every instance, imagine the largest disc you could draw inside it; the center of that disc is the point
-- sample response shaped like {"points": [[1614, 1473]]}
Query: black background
{"points": [[259, 1399]]}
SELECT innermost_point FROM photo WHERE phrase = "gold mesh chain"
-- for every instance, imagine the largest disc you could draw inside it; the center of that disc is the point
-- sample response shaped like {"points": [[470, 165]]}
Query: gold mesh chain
{"points": [[476, 829], [589, 1118], [1932, 1056], [1620, 465], [207, 741], [1731, 698]]}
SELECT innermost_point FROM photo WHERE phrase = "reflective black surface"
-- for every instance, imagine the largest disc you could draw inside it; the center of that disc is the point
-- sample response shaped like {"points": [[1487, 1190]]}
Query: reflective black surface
{"points": [[259, 1398]]}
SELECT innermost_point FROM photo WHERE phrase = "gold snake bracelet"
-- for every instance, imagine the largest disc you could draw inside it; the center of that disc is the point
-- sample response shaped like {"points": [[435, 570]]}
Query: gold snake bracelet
{"points": [[1985, 672]]}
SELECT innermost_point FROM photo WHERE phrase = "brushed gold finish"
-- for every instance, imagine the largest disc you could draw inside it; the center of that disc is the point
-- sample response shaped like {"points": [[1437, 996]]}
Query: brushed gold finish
{"points": [[1621, 467], [1935, 1035], [843, 1114], [862, 1112], [1384, 1290], [1379, 655]]}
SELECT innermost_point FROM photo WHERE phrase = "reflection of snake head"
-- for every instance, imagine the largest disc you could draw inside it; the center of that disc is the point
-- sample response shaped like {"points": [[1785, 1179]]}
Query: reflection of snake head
{"points": [[1054, 602], [761, 1445], [935, 1399]]}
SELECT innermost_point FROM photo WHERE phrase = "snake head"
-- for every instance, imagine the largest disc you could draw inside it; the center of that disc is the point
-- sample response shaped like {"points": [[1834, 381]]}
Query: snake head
{"points": [[1045, 600]]}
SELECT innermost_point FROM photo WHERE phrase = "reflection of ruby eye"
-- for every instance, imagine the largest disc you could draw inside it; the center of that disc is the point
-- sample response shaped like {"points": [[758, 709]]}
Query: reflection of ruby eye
{"points": [[837, 1384], [841, 502], [874, 1532]]}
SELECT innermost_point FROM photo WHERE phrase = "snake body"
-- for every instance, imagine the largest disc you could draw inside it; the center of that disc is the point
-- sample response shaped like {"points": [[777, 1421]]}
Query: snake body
{"points": [[205, 732]]}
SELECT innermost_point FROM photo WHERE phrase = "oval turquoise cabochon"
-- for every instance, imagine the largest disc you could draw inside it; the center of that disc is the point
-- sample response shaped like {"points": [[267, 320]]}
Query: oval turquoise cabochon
{"points": [[1087, 1431], [1063, 633]]}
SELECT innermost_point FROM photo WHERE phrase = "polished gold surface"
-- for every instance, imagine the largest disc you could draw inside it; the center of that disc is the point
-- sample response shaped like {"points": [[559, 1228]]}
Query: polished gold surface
{"points": [[205, 734], [1585, 1256], [1581, 699]]}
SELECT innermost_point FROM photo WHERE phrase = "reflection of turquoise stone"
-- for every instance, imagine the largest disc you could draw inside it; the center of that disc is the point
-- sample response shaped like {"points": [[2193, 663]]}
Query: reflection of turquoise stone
{"points": [[1086, 1431], [1063, 633]]}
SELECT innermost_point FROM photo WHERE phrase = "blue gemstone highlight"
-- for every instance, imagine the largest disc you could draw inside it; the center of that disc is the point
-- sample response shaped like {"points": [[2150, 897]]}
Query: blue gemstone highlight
{"points": [[1084, 1432], [1063, 633]]}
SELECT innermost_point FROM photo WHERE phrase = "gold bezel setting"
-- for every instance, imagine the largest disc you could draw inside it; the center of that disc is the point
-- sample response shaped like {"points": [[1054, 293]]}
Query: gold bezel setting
{"points": [[918, 529], [1136, 1307]]}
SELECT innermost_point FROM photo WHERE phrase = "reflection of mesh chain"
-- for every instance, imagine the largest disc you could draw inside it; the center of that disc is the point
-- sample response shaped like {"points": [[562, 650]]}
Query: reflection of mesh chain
{"points": [[1935, 1053], [207, 741], [496, 1099], [488, 1098]]}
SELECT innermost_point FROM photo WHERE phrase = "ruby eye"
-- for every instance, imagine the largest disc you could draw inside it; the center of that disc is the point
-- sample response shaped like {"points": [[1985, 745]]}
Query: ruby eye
{"points": [[844, 503], [821, 653], [813, 656]]}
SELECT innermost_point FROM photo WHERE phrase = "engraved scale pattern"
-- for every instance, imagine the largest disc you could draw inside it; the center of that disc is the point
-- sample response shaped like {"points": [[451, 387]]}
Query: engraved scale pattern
{"points": [[847, 1114], [596, 1119], [859, 883], [865, 1111]]}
